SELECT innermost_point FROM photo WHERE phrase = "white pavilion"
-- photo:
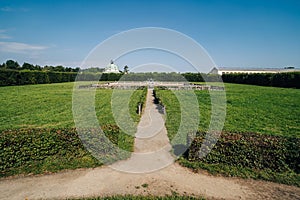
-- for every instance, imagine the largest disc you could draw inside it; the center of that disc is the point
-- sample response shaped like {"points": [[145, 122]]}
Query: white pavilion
{"points": [[111, 68]]}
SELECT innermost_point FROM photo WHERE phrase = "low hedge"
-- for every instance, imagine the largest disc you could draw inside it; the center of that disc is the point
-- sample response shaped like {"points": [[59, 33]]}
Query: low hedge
{"points": [[41, 150], [249, 150]]}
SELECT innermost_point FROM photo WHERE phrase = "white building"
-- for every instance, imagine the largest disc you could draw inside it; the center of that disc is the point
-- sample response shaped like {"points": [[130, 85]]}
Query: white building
{"points": [[111, 68], [221, 70]]}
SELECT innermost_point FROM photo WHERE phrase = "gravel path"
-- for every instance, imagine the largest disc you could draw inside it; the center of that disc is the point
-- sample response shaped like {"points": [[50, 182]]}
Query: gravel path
{"points": [[139, 175]]}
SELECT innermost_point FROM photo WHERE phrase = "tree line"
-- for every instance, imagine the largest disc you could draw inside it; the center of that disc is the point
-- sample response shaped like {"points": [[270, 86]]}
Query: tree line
{"points": [[14, 65], [11, 73]]}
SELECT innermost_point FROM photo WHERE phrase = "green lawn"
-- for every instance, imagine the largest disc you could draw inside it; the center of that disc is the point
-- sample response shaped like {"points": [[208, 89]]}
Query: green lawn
{"points": [[50, 106], [249, 108], [265, 110]]}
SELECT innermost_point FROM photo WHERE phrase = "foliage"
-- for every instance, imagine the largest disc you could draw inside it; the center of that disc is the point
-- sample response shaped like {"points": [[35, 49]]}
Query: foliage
{"points": [[172, 76], [28, 77], [288, 80], [201, 77], [11, 73], [13, 65], [126, 70], [251, 150], [13, 77], [42, 150], [248, 155]]}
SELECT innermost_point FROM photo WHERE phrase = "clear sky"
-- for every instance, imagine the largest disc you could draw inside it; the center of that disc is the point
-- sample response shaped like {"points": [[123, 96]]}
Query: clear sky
{"points": [[236, 33]]}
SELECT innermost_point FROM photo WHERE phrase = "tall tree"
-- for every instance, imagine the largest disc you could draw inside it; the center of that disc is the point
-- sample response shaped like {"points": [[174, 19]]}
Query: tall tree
{"points": [[126, 69], [10, 64], [27, 66]]}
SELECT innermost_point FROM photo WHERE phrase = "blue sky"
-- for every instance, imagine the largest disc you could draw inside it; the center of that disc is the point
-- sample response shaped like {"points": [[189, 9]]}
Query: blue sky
{"points": [[236, 33]]}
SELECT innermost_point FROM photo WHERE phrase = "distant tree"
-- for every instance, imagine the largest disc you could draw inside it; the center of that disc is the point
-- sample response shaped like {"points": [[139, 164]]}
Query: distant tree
{"points": [[126, 69], [77, 69], [10, 64], [68, 69], [28, 66], [93, 69], [48, 68], [59, 68], [37, 67]]}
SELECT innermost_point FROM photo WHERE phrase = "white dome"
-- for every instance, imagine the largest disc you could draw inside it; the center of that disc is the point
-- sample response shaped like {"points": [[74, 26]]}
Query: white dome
{"points": [[112, 68]]}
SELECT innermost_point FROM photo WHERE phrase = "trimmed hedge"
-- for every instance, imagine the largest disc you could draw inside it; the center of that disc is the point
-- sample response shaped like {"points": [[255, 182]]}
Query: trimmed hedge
{"points": [[288, 80], [15, 77], [250, 150], [37, 150]]}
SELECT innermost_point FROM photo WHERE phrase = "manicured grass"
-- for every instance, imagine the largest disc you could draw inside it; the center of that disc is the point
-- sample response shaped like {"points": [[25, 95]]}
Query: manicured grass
{"points": [[36, 106], [50, 106], [265, 110]]}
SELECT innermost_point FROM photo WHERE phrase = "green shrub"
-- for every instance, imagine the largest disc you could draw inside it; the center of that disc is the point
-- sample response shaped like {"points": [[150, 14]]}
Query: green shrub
{"points": [[41, 150], [250, 150]]}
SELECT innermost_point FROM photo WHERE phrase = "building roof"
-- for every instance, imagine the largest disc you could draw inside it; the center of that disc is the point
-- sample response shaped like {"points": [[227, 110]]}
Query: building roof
{"points": [[288, 69]]}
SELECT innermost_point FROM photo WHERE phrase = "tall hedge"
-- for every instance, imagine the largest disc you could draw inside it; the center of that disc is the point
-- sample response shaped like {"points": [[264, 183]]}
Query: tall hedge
{"points": [[13, 77], [26, 77], [288, 80], [17, 77]]}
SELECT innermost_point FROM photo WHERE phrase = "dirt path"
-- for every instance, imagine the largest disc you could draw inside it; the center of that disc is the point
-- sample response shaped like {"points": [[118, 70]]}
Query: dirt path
{"points": [[139, 175], [151, 145]]}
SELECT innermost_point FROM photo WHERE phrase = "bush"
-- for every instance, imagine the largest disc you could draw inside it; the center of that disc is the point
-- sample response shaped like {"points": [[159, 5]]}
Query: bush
{"points": [[250, 150], [40, 150]]}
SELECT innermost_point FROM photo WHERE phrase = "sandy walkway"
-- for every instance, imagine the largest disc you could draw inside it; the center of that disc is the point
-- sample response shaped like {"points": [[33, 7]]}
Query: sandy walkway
{"points": [[151, 153]]}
